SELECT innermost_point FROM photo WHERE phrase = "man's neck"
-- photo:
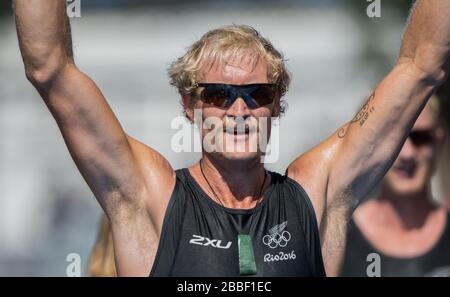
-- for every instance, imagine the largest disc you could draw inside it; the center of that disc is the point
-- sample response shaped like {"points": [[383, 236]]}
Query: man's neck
{"points": [[234, 184], [401, 226], [406, 212]]}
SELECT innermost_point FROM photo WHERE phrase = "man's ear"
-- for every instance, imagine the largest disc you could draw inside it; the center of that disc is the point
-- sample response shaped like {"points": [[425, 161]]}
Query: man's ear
{"points": [[187, 104]]}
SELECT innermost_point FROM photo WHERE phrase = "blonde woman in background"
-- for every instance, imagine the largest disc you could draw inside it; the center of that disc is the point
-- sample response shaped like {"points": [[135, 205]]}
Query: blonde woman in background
{"points": [[101, 262]]}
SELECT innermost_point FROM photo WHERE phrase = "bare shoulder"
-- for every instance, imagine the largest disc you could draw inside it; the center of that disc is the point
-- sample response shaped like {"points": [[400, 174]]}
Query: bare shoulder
{"points": [[137, 230], [311, 170], [159, 179]]}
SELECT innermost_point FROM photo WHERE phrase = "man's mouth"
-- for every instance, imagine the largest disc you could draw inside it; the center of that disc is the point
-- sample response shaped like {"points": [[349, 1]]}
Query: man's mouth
{"points": [[239, 126], [406, 170], [240, 131]]}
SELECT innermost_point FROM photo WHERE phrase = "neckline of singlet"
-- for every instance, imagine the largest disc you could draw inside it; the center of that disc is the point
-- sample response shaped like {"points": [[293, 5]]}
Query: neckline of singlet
{"points": [[212, 202], [445, 232]]}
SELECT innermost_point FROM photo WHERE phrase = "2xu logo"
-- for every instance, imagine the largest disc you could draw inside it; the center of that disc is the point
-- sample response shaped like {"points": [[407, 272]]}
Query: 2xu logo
{"points": [[205, 241]]}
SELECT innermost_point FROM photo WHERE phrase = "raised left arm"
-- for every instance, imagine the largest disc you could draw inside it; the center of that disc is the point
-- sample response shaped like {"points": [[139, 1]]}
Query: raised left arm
{"points": [[371, 142], [343, 169]]}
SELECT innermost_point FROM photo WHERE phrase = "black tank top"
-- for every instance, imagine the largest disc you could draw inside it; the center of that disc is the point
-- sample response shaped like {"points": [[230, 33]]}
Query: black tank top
{"points": [[436, 262], [200, 237]]}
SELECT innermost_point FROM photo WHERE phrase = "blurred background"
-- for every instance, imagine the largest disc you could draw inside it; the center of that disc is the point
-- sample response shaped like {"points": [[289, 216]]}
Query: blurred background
{"points": [[336, 53]]}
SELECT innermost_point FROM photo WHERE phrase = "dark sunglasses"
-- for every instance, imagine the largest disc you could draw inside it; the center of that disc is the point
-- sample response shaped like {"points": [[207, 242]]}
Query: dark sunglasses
{"points": [[224, 95], [421, 137]]}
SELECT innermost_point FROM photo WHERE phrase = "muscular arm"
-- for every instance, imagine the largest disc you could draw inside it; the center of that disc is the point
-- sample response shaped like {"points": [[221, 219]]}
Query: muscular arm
{"points": [[131, 181], [360, 153]]}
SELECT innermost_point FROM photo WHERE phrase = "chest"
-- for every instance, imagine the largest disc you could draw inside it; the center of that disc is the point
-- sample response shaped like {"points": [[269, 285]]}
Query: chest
{"points": [[213, 244]]}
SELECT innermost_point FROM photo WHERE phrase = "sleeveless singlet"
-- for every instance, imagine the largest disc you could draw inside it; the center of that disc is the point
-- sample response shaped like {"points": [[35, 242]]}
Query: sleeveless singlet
{"points": [[435, 262], [202, 238]]}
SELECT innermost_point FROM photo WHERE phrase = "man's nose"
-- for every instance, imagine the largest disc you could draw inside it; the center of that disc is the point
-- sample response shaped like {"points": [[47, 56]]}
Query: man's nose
{"points": [[239, 109], [408, 151]]}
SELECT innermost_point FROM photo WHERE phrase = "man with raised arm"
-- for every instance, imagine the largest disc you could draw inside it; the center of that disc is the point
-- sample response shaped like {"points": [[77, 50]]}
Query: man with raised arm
{"points": [[401, 231], [226, 215]]}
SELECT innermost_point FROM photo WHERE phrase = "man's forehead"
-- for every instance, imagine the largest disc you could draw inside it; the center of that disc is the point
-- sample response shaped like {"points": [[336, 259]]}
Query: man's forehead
{"points": [[237, 72], [425, 119]]}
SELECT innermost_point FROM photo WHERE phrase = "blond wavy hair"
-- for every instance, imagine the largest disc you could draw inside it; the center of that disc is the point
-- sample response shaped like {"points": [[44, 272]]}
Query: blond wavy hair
{"points": [[101, 262], [237, 43]]}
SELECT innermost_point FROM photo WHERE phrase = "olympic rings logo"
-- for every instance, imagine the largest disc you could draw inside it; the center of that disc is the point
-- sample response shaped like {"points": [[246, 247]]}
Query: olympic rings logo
{"points": [[277, 239]]}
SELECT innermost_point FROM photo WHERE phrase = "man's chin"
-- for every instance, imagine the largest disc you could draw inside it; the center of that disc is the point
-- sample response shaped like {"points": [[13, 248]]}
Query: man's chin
{"points": [[240, 156], [405, 188]]}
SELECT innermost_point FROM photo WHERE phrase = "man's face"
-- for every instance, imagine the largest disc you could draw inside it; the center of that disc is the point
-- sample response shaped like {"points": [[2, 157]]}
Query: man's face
{"points": [[242, 143], [414, 167]]}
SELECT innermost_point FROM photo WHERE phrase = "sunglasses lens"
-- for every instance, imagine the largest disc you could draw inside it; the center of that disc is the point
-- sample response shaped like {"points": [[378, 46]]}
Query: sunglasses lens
{"points": [[421, 138], [215, 95], [263, 95], [222, 96]]}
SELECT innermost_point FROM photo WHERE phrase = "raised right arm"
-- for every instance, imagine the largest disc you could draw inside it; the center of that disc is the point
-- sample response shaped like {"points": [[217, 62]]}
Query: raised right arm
{"points": [[126, 176]]}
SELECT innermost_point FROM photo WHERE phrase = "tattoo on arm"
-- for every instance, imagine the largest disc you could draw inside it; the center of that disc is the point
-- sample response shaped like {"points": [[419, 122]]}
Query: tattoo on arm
{"points": [[361, 117]]}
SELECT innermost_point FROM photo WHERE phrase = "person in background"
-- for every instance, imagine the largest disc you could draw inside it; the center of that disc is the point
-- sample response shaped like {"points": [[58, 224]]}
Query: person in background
{"points": [[443, 93], [101, 262], [402, 232]]}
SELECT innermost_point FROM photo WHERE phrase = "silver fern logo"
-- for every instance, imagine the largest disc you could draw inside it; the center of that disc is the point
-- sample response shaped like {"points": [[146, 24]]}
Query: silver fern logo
{"points": [[277, 237]]}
